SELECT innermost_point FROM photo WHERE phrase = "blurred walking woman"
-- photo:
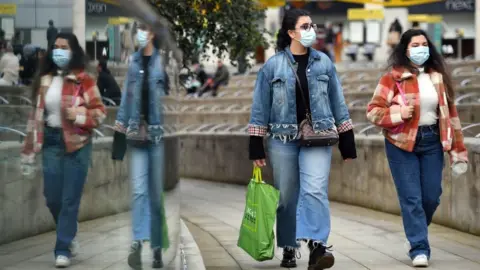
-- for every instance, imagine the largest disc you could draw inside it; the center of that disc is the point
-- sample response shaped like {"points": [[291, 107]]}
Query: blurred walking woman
{"points": [[140, 121], [299, 103], [414, 104], [68, 106]]}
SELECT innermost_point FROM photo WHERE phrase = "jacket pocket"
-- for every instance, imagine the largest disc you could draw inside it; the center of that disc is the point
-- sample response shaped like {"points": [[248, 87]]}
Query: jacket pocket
{"points": [[279, 91], [319, 96]]}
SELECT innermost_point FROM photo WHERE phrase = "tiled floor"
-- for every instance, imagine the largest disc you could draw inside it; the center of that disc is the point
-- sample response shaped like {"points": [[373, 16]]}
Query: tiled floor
{"points": [[361, 238]]}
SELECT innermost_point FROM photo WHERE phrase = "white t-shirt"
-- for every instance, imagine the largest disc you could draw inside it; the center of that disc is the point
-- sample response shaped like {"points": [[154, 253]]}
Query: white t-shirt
{"points": [[428, 99], [53, 102]]}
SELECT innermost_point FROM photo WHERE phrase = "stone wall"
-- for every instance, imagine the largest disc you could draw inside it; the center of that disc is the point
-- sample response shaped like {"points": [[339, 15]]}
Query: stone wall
{"points": [[22, 206], [364, 182]]}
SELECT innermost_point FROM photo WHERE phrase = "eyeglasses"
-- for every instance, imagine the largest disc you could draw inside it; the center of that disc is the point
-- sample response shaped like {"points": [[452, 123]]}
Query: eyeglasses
{"points": [[308, 26]]}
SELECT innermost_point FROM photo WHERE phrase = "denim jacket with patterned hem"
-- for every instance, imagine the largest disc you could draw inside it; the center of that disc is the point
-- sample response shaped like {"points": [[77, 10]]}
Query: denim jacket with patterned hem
{"points": [[274, 109], [129, 119]]}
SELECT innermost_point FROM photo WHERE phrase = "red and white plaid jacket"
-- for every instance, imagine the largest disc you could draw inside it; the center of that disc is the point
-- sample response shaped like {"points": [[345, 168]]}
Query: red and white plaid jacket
{"points": [[384, 111], [80, 92]]}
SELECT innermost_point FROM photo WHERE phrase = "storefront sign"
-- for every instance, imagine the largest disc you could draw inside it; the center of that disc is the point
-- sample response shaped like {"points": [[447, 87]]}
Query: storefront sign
{"points": [[392, 3], [425, 18], [355, 14], [106, 8], [272, 3], [8, 9], [447, 6]]}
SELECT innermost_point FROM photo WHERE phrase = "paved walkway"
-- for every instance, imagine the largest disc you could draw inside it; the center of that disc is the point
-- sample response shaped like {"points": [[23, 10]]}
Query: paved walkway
{"points": [[361, 238]]}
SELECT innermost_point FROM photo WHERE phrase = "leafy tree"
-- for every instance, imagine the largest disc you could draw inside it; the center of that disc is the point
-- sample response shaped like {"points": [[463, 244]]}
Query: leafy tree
{"points": [[223, 25]]}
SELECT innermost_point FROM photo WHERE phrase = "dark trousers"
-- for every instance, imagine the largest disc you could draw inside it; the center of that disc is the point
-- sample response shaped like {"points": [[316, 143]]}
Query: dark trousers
{"points": [[418, 180], [64, 176]]}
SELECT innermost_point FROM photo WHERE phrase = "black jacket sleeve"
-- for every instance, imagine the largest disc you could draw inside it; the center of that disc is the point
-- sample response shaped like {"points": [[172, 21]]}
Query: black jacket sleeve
{"points": [[346, 145], [255, 148], [119, 146]]}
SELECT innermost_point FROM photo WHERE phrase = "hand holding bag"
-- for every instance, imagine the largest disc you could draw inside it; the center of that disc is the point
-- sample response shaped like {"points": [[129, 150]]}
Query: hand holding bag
{"points": [[399, 128], [308, 136]]}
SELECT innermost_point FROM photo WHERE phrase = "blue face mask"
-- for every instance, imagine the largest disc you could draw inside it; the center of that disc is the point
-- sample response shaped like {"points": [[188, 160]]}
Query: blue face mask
{"points": [[61, 57], [142, 38], [308, 37], [419, 55]]}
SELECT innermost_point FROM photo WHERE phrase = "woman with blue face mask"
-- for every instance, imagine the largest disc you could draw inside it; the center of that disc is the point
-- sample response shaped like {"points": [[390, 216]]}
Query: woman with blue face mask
{"points": [[298, 87], [414, 104], [139, 124], [67, 107]]}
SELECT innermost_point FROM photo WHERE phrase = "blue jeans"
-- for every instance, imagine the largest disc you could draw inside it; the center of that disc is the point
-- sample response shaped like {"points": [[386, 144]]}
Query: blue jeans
{"points": [[64, 176], [418, 180], [301, 174], [147, 173]]}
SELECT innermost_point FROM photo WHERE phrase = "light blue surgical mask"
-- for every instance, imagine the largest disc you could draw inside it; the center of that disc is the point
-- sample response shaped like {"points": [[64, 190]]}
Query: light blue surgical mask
{"points": [[142, 38], [308, 37], [419, 55], [61, 57]]}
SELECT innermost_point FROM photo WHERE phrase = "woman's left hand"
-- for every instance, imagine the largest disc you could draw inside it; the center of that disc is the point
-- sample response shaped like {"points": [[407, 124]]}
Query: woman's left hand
{"points": [[71, 114]]}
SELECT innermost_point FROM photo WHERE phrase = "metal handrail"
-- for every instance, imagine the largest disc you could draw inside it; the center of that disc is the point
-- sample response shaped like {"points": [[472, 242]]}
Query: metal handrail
{"points": [[98, 133], [465, 96], [4, 100], [357, 101], [22, 98], [14, 131], [363, 87], [232, 107], [471, 126], [363, 130], [184, 108], [465, 82], [109, 101]]}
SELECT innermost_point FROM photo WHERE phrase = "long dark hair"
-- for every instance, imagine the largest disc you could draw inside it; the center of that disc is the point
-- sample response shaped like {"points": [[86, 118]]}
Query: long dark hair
{"points": [[288, 23], [399, 58], [78, 61]]}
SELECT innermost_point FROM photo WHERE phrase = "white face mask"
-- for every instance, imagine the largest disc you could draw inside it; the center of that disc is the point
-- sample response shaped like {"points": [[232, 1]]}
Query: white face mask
{"points": [[308, 38]]}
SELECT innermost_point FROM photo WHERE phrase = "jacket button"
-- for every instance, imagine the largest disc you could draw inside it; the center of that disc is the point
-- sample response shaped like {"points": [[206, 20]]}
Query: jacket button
{"points": [[308, 70]]}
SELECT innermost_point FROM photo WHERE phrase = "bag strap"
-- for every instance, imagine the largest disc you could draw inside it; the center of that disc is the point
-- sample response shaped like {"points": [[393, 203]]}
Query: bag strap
{"points": [[257, 174], [307, 111], [402, 93]]}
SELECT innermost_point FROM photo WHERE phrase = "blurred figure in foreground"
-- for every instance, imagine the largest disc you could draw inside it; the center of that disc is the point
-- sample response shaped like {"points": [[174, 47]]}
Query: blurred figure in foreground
{"points": [[28, 64], [139, 124], [107, 85], [67, 107], [9, 67]]}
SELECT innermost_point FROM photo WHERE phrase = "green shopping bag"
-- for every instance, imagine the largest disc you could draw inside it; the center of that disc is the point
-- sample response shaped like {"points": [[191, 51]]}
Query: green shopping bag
{"points": [[256, 233], [165, 240]]}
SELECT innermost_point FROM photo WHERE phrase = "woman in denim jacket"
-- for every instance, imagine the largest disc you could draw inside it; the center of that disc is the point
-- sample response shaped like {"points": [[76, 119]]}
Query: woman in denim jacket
{"points": [[300, 173], [140, 121]]}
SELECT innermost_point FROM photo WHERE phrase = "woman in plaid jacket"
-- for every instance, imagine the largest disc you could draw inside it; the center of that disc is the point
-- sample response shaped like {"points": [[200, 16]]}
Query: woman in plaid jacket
{"points": [[67, 108], [413, 103]]}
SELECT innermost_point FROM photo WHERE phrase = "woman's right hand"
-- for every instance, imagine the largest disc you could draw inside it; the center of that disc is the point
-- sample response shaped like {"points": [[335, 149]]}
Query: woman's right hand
{"points": [[406, 112], [260, 163]]}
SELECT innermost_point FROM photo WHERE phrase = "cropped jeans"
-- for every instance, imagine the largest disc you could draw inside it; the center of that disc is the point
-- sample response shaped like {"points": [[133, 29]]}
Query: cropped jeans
{"points": [[418, 180], [147, 173], [64, 176], [301, 174]]}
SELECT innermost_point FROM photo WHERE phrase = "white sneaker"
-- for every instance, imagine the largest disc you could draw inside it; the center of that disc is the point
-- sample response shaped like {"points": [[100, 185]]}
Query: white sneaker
{"points": [[74, 248], [407, 247], [420, 261], [62, 262]]}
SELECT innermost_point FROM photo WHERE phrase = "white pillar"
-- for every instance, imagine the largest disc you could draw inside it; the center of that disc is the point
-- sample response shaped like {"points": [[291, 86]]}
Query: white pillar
{"points": [[79, 21], [272, 24], [477, 29]]}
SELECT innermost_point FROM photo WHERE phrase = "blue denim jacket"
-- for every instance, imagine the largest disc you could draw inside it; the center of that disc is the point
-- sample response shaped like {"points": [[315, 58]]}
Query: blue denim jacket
{"points": [[129, 113], [274, 98]]}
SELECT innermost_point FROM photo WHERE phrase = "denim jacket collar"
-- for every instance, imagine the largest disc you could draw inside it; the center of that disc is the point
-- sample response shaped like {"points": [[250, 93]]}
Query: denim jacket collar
{"points": [[312, 55]]}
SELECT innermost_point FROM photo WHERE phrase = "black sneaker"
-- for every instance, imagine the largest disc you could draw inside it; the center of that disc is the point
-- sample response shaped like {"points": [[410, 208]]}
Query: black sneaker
{"points": [[157, 258], [320, 257], [135, 256], [289, 260]]}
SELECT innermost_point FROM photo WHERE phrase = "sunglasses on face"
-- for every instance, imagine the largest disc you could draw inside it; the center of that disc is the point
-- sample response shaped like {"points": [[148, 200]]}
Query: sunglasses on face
{"points": [[308, 26]]}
